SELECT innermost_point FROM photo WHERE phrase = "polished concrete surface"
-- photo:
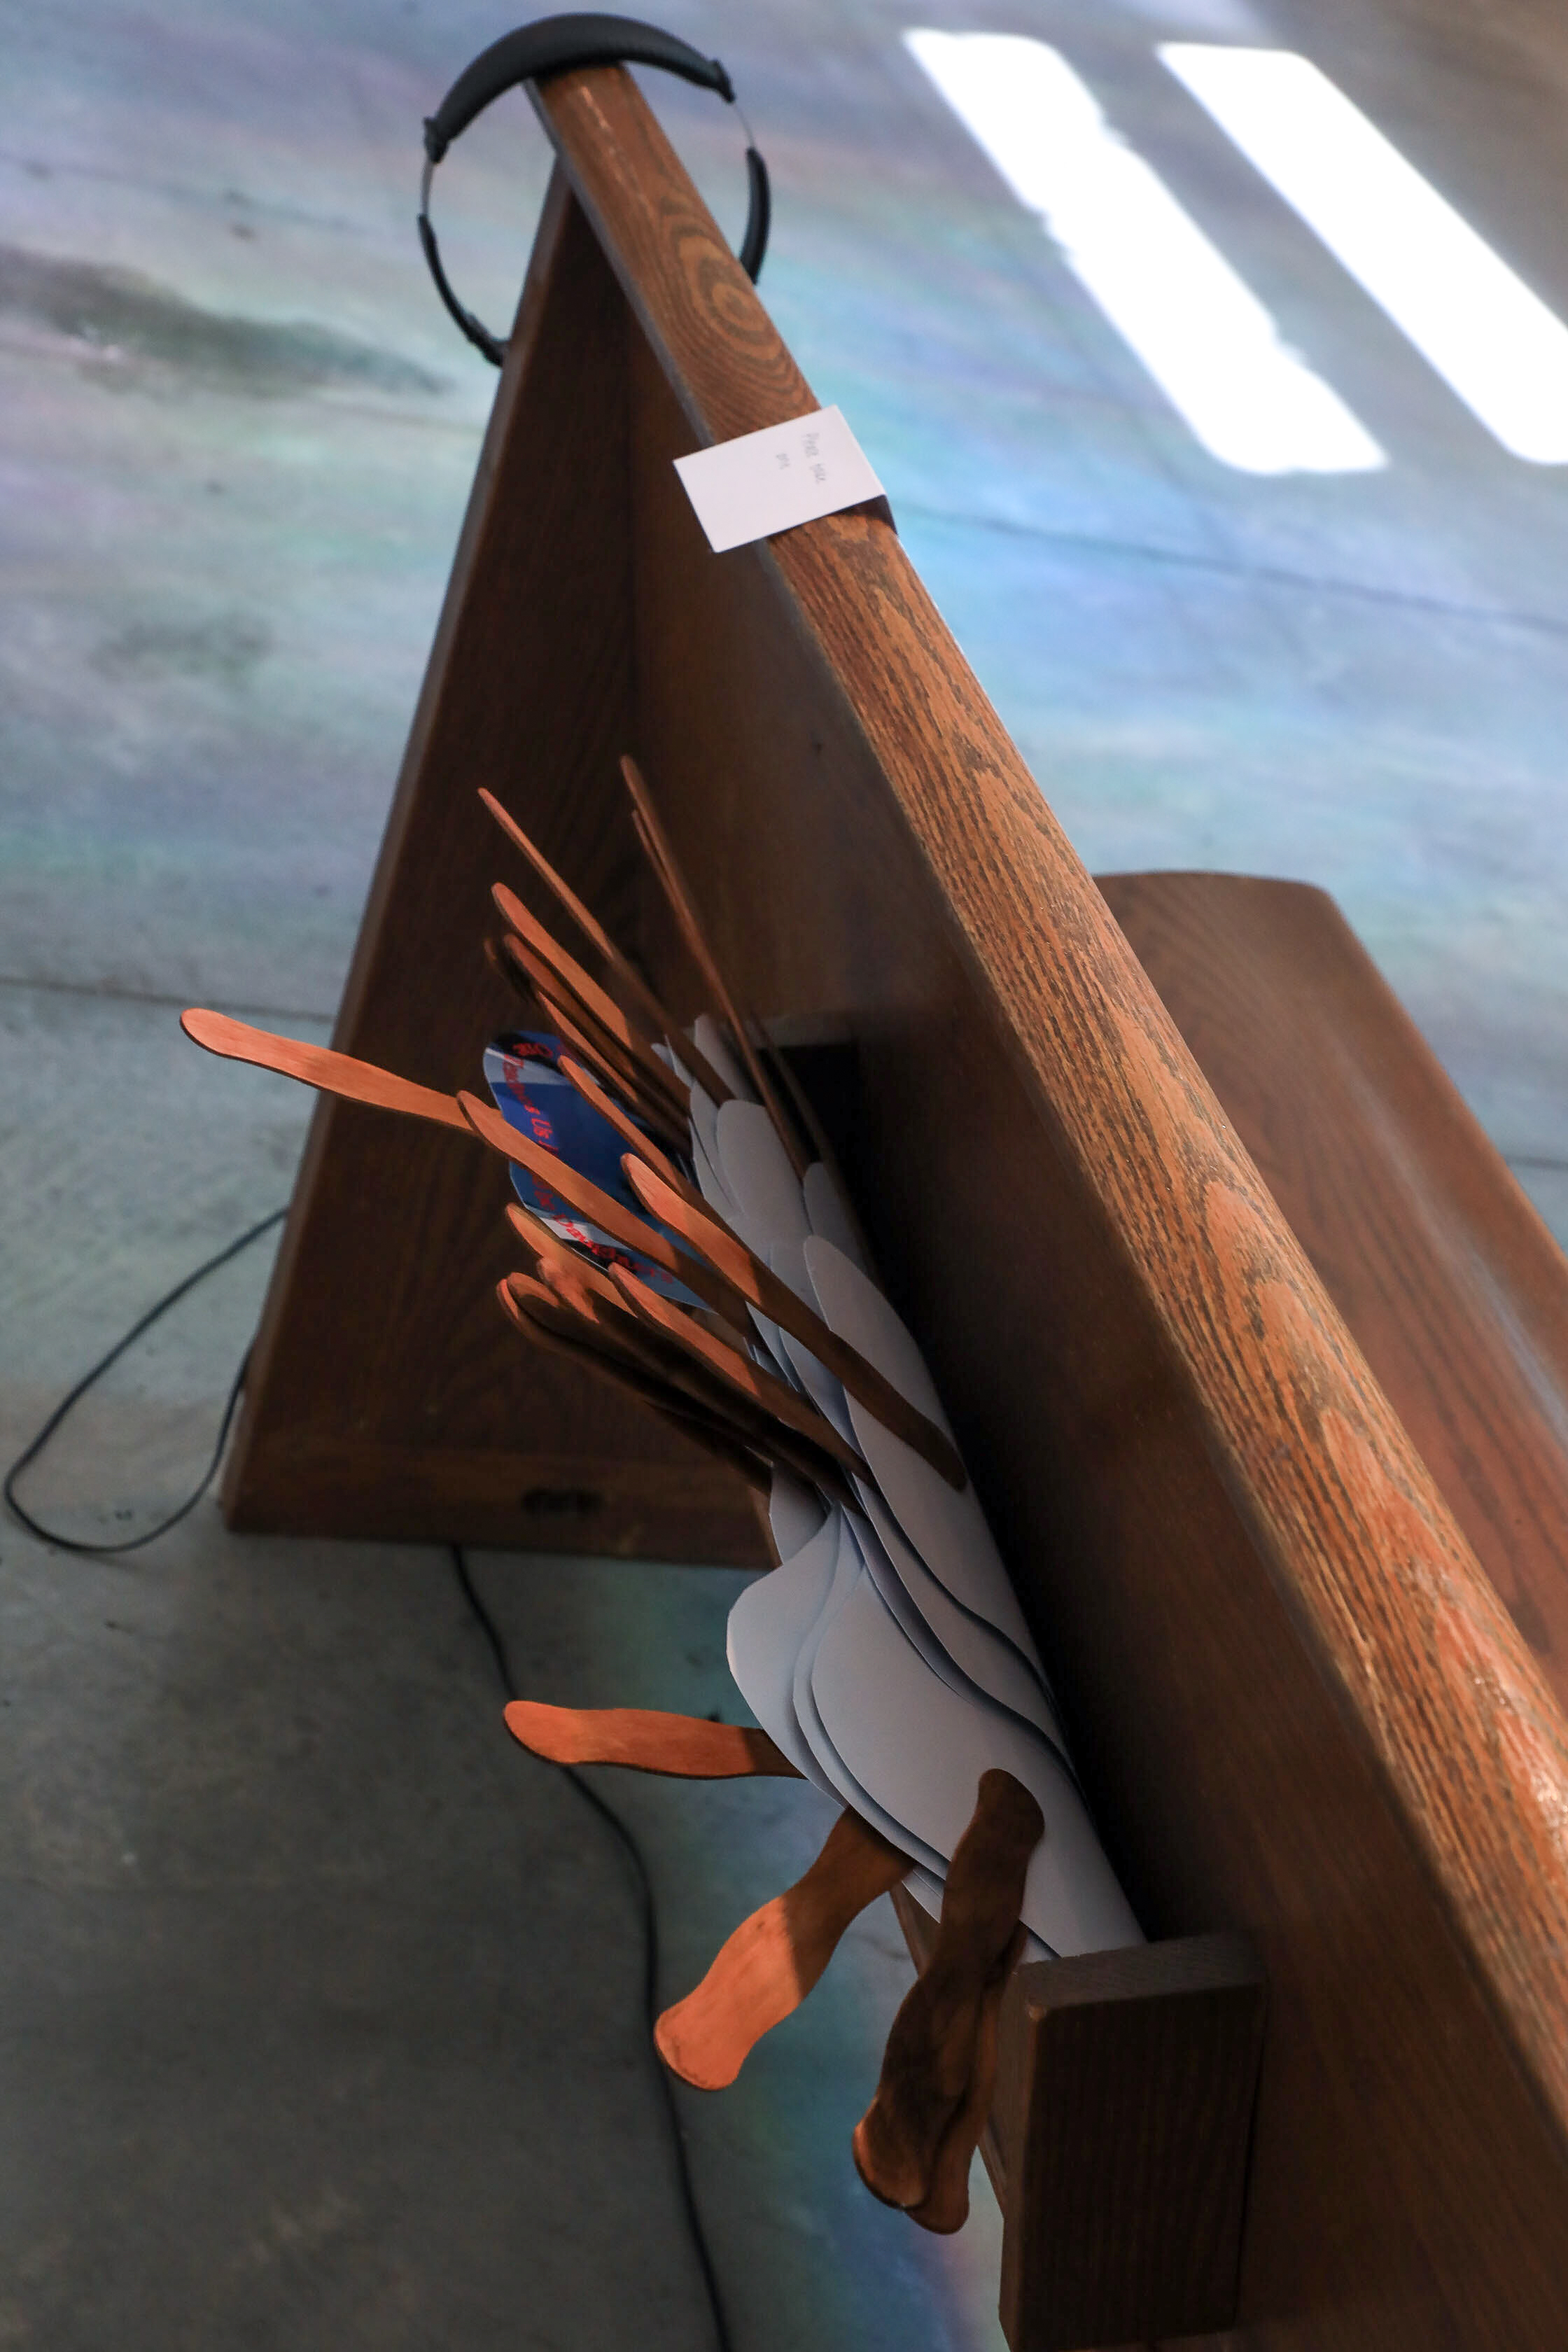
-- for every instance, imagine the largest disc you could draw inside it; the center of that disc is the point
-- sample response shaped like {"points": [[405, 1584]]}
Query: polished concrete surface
{"points": [[318, 2001]]}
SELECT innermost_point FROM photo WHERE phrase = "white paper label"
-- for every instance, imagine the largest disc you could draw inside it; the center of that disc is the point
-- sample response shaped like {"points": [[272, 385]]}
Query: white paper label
{"points": [[771, 480]]}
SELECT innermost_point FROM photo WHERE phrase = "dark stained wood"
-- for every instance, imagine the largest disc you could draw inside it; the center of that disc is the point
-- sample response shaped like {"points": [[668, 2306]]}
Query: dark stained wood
{"points": [[1119, 2141], [919, 1931], [686, 1214], [1457, 1293], [388, 1396], [736, 1018], [946, 2204], [1299, 1703], [931, 2045], [1124, 2126]]}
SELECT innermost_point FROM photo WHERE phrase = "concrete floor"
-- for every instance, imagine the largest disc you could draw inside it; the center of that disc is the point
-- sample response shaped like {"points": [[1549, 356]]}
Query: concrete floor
{"points": [[318, 2015]]}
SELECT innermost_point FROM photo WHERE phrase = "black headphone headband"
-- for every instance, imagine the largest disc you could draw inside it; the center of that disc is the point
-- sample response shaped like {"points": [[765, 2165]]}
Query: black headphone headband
{"points": [[549, 46]]}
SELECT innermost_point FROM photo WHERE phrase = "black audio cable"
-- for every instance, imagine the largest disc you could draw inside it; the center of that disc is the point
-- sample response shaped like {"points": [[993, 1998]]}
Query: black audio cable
{"points": [[631, 1851], [642, 1887], [69, 1402]]}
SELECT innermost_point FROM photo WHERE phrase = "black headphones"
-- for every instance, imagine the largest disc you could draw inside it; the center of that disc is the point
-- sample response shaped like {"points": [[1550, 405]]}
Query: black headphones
{"points": [[549, 47]]}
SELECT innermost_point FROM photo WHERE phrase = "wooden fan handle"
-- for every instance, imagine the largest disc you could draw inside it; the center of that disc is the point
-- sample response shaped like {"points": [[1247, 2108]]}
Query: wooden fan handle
{"points": [[319, 1066], [650, 1012], [933, 2048], [685, 1746], [688, 1215], [558, 1176], [764, 1970], [946, 2204]]}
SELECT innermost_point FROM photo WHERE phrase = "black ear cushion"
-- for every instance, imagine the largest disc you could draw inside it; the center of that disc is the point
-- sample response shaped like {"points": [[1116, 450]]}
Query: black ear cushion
{"points": [[759, 215], [478, 333], [549, 47]]}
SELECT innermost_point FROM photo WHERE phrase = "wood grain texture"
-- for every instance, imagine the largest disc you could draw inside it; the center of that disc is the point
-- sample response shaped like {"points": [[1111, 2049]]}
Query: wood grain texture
{"points": [[1299, 1705], [388, 1397], [1119, 2140], [1457, 1293], [1124, 2130]]}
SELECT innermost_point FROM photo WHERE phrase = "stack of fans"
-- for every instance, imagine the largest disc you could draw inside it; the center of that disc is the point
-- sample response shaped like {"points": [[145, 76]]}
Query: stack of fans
{"points": [[690, 1239]]}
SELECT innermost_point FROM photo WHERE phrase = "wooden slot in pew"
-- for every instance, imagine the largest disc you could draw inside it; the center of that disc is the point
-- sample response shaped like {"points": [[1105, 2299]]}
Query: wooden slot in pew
{"points": [[1304, 1715]]}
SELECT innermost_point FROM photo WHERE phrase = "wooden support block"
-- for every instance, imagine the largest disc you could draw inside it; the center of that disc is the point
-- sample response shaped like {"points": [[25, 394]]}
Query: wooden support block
{"points": [[1120, 2135], [1124, 2110]]}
